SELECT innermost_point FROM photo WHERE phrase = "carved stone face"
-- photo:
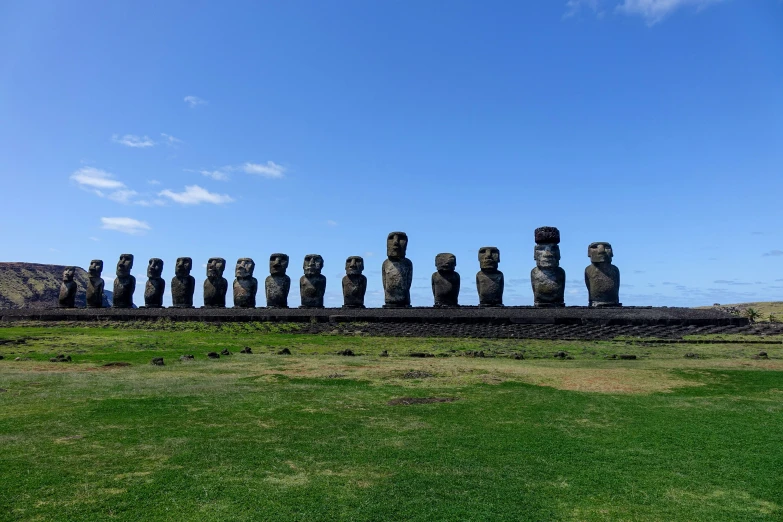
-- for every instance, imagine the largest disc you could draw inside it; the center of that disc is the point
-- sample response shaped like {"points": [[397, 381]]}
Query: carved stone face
{"points": [[216, 266], [600, 252], [489, 258], [68, 274], [155, 268], [313, 264], [183, 266], [96, 267], [354, 265], [278, 264], [445, 262], [245, 267], [124, 265], [547, 255], [396, 245]]}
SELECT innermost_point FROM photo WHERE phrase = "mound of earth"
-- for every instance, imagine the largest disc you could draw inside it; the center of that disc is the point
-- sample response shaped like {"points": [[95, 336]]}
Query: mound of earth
{"points": [[33, 285]]}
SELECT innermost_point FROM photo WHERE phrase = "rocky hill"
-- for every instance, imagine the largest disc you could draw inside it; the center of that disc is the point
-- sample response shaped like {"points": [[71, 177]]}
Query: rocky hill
{"points": [[32, 285]]}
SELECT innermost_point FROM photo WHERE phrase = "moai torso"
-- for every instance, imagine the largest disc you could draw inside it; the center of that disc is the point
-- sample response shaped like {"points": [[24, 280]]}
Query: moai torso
{"points": [[445, 282], [277, 288], [312, 285], [602, 278], [397, 278], [354, 288], [68, 288], [548, 286], [182, 289], [489, 280], [95, 284], [245, 285], [153, 292], [215, 286], [125, 283]]}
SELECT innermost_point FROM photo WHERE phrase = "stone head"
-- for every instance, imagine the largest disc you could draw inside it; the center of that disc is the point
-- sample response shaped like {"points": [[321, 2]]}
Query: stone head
{"points": [[600, 252], [96, 267], [215, 267], [396, 245], [124, 265], [183, 266], [155, 268], [278, 264], [445, 262], [547, 250], [354, 265], [489, 258], [68, 274], [245, 267], [313, 264]]}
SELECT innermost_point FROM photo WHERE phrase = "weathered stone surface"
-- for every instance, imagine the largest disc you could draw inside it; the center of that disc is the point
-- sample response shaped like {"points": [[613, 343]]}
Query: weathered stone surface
{"points": [[156, 285], [245, 285], [354, 283], [397, 272], [95, 284], [489, 280], [277, 283], [602, 277], [125, 283], [216, 286], [312, 285], [183, 284], [445, 282], [68, 288], [548, 278], [157, 361]]}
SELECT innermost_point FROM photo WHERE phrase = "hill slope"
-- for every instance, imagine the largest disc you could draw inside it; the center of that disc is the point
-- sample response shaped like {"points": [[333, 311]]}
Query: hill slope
{"points": [[33, 285], [766, 309]]}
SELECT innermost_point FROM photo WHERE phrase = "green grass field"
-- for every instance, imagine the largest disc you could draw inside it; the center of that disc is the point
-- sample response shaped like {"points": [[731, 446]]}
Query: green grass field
{"points": [[313, 436]]}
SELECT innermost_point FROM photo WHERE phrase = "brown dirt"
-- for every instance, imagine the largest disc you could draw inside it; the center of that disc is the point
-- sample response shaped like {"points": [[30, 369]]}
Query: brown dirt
{"points": [[420, 400]]}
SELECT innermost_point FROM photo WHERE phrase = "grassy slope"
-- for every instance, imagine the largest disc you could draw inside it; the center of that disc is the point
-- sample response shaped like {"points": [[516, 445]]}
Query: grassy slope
{"points": [[34, 285], [764, 308], [269, 437]]}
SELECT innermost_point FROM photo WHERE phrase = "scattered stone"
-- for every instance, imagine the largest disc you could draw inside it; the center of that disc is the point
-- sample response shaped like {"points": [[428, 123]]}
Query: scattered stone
{"points": [[416, 374], [213, 355], [157, 361], [186, 357], [286, 351], [763, 355], [1, 357], [406, 401], [613, 356], [563, 355], [691, 355], [225, 352], [384, 353], [3, 390], [116, 364], [518, 356], [61, 358], [421, 354], [348, 352], [627, 357], [335, 376], [246, 349]]}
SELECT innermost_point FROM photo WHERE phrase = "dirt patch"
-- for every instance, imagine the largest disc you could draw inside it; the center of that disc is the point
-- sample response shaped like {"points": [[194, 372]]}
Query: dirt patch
{"points": [[405, 401], [416, 374]]}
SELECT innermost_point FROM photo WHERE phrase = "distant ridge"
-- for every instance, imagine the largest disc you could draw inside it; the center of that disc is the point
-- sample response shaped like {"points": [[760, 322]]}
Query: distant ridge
{"points": [[34, 285]]}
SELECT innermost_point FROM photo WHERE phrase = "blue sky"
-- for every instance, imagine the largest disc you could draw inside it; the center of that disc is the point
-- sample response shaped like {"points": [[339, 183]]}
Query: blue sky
{"points": [[167, 129]]}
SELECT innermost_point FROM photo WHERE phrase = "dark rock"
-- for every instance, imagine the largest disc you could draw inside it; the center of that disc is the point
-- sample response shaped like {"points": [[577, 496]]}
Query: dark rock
{"points": [[225, 351], [213, 355], [215, 286], [246, 349], [312, 285], [416, 374], [347, 352], [1, 357], [156, 285], [157, 361], [627, 357], [547, 278], [3, 390], [445, 282], [116, 365], [245, 285], [335, 375], [277, 284], [95, 285], [518, 356], [561, 355], [420, 354], [286, 351], [68, 288], [354, 283], [397, 272], [61, 358], [384, 353], [183, 285], [602, 277], [489, 280], [691, 355], [125, 283], [407, 401], [763, 355], [186, 357]]}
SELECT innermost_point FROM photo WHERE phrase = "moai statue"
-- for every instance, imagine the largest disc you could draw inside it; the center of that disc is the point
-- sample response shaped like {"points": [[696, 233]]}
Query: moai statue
{"points": [[445, 282], [312, 285], [125, 284], [156, 285], [489, 280], [183, 284], [245, 285], [397, 272], [277, 283], [216, 286], [354, 283], [547, 278], [95, 284], [68, 288], [602, 277]]}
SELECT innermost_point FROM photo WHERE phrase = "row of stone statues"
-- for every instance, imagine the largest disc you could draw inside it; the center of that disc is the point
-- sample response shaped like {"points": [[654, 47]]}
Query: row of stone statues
{"points": [[547, 278]]}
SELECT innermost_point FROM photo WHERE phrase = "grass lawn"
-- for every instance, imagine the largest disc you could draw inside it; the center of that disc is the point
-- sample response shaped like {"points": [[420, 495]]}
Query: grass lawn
{"points": [[313, 436]]}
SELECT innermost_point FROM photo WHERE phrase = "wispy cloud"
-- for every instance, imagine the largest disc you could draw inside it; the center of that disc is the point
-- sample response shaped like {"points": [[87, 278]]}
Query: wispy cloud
{"points": [[195, 195], [131, 140], [773, 253], [157, 202], [153, 182], [90, 177], [730, 282], [653, 11], [125, 225], [170, 140], [122, 196], [93, 238], [268, 170], [219, 175], [194, 101], [331, 223]]}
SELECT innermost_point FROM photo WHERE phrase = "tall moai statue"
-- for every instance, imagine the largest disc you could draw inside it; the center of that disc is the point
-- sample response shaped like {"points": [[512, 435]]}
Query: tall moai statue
{"points": [[68, 288], [489, 280], [397, 272], [445, 282], [354, 283], [182, 284], [245, 285], [277, 284], [602, 277], [125, 283], [156, 285], [216, 286], [312, 285], [547, 278], [95, 284]]}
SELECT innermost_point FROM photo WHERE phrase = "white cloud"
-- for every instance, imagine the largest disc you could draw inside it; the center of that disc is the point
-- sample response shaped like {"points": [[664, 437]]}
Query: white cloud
{"points": [[218, 175], [122, 196], [270, 170], [194, 101], [125, 224], [90, 177], [153, 182], [170, 140], [151, 202], [653, 11], [331, 223], [93, 238], [195, 195], [131, 140]]}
